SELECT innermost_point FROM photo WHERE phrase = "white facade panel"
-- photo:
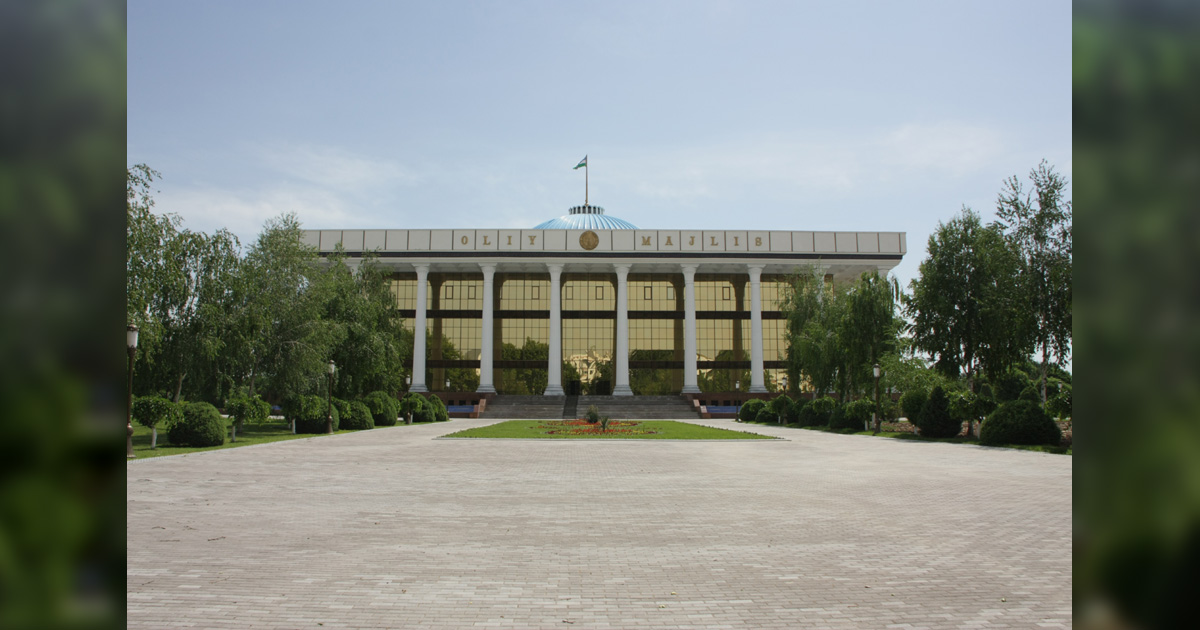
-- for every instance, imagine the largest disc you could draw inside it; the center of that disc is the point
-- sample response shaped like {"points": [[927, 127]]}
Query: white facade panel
{"points": [[645, 240], [758, 241], [691, 241], [781, 241], [509, 239], [374, 239], [352, 240], [463, 239], [847, 242], [868, 242], [735, 241], [802, 242], [668, 241], [330, 239], [622, 240], [397, 240], [823, 242], [486, 239], [312, 238], [418, 240], [531, 240], [714, 241], [555, 240], [889, 242]]}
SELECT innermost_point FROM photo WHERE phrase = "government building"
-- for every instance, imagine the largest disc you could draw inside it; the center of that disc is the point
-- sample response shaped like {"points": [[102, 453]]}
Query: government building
{"points": [[590, 304]]}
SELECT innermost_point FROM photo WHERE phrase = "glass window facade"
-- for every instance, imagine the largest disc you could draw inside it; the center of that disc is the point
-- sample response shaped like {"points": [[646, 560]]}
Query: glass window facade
{"points": [[656, 328]]}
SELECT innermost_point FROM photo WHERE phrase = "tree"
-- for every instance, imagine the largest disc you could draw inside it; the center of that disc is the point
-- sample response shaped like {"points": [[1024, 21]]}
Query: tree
{"points": [[966, 312], [1038, 222], [869, 327], [814, 314]]}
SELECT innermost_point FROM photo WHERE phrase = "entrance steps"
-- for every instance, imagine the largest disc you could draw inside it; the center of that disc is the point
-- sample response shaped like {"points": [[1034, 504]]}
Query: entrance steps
{"points": [[525, 407], [639, 407]]}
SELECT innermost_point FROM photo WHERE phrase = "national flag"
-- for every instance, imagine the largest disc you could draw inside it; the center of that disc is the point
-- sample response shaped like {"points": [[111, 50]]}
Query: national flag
{"points": [[582, 163]]}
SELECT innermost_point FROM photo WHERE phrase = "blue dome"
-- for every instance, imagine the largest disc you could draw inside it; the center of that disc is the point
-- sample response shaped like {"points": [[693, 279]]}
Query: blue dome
{"points": [[585, 218]]}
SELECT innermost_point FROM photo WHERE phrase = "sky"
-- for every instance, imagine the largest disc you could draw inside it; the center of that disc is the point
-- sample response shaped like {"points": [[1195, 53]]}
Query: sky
{"points": [[855, 116]]}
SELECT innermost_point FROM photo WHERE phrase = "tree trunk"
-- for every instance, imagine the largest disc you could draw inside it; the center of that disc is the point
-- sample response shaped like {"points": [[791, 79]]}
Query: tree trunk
{"points": [[1045, 369], [178, 386], [233, 432], [970, 388], [153, 438]]}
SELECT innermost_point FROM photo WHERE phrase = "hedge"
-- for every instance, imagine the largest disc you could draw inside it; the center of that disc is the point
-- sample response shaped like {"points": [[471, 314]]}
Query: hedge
{"points": [[750, 409], [359, 418], [855, 413], [935, 419], [309, 414], [818, 412]]}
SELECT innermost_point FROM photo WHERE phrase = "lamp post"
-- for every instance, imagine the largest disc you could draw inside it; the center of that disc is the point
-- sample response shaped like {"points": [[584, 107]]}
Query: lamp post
{"points": [[737, 400], [131, 335], [876, 414], [329, 399]]}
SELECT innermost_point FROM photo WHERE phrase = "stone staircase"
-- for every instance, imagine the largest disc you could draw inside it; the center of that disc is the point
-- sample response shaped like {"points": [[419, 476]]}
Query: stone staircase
{"points": [[525, 407], [570, 410], [639, 407]]}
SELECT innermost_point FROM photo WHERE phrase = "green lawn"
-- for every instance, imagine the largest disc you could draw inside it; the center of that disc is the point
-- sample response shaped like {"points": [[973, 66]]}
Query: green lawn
{"points": [[901, 435], [271, 431], [619, 430]]}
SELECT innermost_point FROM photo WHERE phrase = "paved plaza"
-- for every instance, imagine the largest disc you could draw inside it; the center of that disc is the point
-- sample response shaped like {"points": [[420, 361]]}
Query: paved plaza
{"points": [[393, 528]]}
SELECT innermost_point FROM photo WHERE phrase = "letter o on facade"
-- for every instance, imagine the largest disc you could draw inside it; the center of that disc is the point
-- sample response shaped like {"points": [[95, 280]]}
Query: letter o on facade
{"points": [[463, 240]]}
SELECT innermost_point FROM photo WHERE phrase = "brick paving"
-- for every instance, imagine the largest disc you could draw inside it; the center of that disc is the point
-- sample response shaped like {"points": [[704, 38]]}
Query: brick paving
{"points": [[392, 528]]}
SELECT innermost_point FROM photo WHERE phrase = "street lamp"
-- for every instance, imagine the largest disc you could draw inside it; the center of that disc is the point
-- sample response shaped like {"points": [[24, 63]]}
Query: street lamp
{"points": [[877, 372], [131, 335], [329, 399]]}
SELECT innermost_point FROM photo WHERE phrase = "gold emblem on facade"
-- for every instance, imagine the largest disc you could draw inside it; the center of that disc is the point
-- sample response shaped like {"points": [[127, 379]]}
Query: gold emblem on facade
{"points": [[588, 240]]}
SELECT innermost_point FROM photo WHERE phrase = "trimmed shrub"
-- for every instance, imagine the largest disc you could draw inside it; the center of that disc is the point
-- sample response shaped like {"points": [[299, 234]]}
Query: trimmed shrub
{"points": [[779, 406], [309, 414], [854, 414], [384, 409], [244, 409], [818, 412], [359, 418], [792, 416], [1019, 422], [749, 410], [592, 415], [152, 411], [342, 407], [438, 409], [912, 402], [1031, 394], [1008, 386], [412, 407], [765, 415], [935, 419], [200, 424]]}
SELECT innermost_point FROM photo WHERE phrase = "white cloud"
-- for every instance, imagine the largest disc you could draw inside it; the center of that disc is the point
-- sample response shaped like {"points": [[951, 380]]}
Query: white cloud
{"points": [[950, 147]]}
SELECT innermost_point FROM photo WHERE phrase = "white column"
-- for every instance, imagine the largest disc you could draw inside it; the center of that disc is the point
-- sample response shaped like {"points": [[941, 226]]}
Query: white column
{"points": [[756, 334], [488, 324], [554, 361], [418, 372], [621, 386], [689, 330]]}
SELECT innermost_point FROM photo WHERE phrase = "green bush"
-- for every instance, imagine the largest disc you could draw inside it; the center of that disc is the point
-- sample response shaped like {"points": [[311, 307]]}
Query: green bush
{"points": [[359, 418], [854, 414], [818, 412], [413, 407], [310, 414], [792, 416], [935, 419], [200, 424], [1019, 422], [765, 415], [889, 410], [963, 405], [243, 410], [780, 406], [912, 402], [749, 410], [1031, 394], [342, 407], [152, 411], [592, 415], [438, 409], [1008, 386], [384, 409], [1060, 405]]}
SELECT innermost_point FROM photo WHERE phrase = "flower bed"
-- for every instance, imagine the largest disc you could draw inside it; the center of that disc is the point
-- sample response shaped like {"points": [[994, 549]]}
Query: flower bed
{"points": [[583, 427]]}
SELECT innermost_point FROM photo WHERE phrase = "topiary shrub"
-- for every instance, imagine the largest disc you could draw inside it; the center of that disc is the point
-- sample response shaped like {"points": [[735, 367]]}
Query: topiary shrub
{"points": [[1009, 385], [342, 407], [359, 417], [592, 415], [310, 414], [779, 406], [1019, 422], [200, 424], [1031, 394], [749, 410], [412, 407], [384, 409], [855, 414], [152, 411], [438, 409], [792, 415], [246, 409], [912, 402], [818, 412], [935, 419], [766, 416]]}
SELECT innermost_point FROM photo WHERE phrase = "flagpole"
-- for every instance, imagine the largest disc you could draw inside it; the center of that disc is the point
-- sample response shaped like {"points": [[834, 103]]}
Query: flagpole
{"points": [[585, 184]]}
